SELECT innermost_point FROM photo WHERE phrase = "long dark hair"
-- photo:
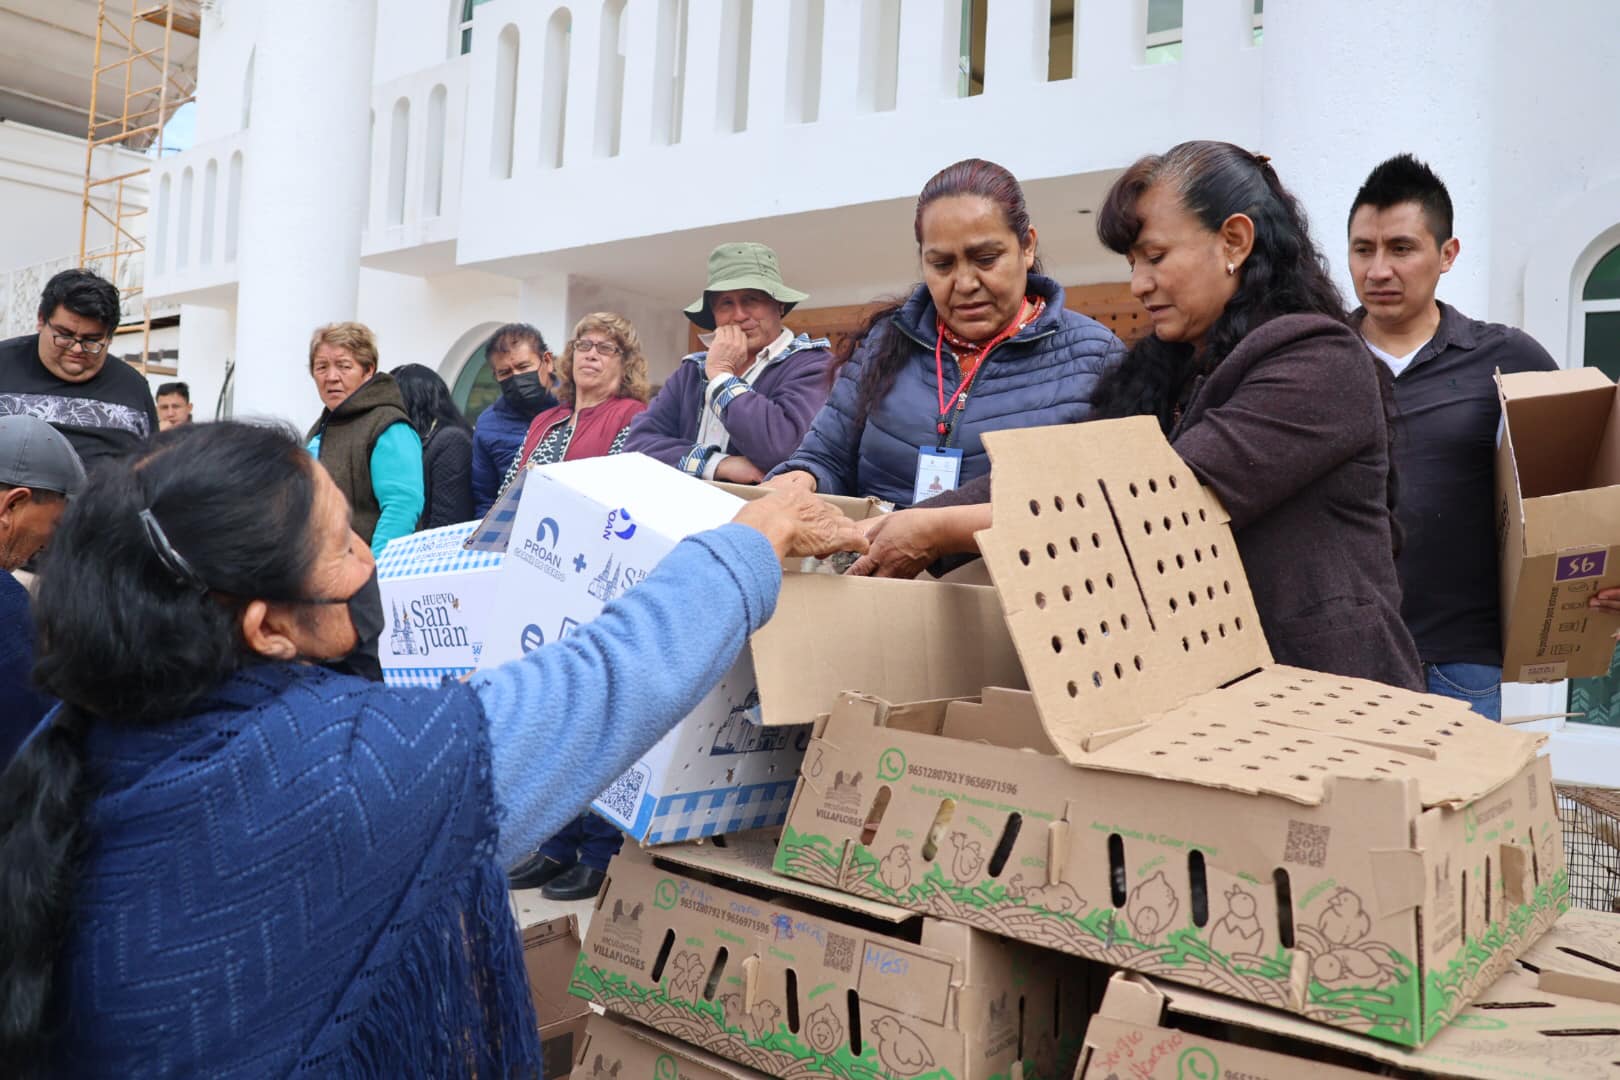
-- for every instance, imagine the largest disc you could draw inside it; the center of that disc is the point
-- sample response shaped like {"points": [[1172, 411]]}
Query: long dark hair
{"points": [[1284, 274], [427, 399], [123, 638], [891, 347]]}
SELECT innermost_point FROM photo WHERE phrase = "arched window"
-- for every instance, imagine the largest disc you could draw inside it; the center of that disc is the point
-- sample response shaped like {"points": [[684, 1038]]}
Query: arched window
{"points": [[399, 137], [210, 201], [1600, 315], [506, 75], [182, 243], [554, 88], [610, 78], [247, 90], [461, 20], [433, 176]]}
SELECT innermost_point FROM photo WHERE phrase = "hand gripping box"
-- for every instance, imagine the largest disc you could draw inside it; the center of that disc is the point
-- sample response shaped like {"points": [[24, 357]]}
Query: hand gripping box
{"points": [[1167, 799], [1558, 522], [438, 598], [585, 532], [700, 943], [1553, 1015]]}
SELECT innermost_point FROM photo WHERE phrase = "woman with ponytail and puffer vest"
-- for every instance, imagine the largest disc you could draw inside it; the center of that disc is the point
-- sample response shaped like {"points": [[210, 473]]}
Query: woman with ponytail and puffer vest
{"points": [[984, 343], [221, 858]]}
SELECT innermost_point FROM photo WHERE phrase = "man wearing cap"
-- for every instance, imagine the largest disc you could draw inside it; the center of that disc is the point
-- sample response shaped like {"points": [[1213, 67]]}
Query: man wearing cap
{"points": [[39, 472], [741, 408]]}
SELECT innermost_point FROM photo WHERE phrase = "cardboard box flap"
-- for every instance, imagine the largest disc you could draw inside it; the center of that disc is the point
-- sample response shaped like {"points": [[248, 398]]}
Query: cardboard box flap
{"points": [[1556, 421], [550, 949], [852, 508], [747, 857], [1523, 385], [938, 641], [1571, 521], [1287, 732], [1123, 589]]}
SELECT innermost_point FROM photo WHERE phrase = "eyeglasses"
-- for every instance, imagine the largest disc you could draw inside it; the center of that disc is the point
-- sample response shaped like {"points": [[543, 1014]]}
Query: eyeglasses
{"points": [[342, 367], [65, 340], [600, 348]]}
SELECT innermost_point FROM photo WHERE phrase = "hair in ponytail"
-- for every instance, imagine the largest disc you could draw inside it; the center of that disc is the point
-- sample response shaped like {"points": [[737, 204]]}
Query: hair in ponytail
{"points": [[228, 508]]}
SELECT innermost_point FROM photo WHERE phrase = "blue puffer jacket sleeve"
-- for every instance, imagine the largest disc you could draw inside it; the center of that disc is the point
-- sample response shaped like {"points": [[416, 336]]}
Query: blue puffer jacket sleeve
{"points": [[568, 718], [1044, 375]]}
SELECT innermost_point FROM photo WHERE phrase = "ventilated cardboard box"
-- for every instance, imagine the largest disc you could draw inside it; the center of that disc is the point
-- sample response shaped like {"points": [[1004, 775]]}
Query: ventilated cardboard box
{"points": [[550, 948], [1554, 1015], [1168, 799], [615, 1049], [1558, 522], [815, 983]]}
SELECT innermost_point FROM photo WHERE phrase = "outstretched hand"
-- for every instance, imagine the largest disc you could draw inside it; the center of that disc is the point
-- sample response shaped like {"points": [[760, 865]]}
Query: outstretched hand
{"points": [[799, 525], [902, 545]]}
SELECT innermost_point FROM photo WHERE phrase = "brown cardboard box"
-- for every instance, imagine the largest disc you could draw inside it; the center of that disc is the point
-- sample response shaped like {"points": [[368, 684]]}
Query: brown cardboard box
{"points": [[550, 949], [615, 1049], [1554, 1015], [708, 949], [1362, 855], [1558, 521]]}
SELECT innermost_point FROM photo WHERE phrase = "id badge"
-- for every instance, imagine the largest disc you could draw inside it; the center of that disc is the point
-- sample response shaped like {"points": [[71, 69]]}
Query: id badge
{"points": [[938, 471]]}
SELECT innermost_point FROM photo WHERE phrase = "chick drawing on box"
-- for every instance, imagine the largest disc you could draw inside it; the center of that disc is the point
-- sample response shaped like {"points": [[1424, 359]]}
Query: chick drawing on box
{"points": [[901, 1050], [1239, 931], [1151, 908]]}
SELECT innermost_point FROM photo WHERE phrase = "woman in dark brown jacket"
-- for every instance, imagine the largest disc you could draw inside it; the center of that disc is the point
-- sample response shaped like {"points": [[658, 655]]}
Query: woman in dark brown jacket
{"points": [[1264, 391]]}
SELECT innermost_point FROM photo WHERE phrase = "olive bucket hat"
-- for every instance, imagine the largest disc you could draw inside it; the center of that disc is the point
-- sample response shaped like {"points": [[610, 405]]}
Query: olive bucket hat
{"points": [[742, 266]]}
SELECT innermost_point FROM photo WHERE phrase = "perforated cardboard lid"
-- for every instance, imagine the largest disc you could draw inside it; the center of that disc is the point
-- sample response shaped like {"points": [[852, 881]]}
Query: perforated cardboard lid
{"points": [[1118, 575], [1129, 607]]}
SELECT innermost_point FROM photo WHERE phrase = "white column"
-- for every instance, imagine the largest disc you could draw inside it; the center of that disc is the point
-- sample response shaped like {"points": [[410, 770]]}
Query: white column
{"points": [[1331, 114], [543, 302], [207, 342], [303, 198]]}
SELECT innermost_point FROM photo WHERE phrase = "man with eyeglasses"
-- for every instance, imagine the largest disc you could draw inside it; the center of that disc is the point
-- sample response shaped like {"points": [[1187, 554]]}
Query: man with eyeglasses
{"points": [[61, 373]]}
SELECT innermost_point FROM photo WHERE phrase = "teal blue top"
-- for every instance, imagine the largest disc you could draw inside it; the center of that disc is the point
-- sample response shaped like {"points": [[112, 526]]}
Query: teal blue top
{"points": [[396, 480]]}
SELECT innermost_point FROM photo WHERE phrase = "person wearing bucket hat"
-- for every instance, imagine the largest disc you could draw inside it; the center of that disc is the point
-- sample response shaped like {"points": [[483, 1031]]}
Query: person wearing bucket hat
{"points": [[737, 410], [39, 472]]}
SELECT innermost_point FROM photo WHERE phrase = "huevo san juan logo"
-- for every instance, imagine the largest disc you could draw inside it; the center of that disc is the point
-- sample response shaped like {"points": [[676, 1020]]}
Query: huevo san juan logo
{"points": [[427, 623], [540, 550]]}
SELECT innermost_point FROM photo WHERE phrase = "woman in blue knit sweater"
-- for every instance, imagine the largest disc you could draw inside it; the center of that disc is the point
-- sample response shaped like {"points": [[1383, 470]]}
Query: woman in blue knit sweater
{"points": [[222, 859]]}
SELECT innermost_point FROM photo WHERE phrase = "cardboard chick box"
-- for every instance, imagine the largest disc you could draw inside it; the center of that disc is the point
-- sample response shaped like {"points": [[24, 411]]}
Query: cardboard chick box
{"points": [[1167, 799], [550, 949], [1558, 522], [1553, 1015], [437, 597], [701, 943], [615, 1049], [585, 532]]}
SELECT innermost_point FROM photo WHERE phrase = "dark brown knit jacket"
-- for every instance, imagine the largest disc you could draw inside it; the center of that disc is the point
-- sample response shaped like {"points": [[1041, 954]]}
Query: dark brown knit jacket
{"points": [[1289, 431], [349, 433]]}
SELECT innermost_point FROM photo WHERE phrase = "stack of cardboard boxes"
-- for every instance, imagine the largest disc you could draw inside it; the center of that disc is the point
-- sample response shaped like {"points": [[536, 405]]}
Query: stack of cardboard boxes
{"points": [[1005, 795]]}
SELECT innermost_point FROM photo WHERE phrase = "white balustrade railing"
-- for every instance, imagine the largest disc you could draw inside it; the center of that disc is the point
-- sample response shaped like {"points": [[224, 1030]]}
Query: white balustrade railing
{"points": [[20, 289], [594, 121], [196, 204], [416, 163]]}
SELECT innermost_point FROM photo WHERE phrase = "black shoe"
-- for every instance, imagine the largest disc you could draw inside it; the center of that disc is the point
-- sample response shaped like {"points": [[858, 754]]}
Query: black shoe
{"points": [[535, 871], [577, 883]]}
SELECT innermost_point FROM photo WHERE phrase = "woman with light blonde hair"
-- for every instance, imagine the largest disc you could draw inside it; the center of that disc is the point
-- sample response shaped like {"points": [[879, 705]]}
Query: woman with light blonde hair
{"points": [[604, 387]]}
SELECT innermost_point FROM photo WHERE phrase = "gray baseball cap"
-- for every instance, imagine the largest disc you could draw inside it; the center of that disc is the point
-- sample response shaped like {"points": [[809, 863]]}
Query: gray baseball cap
{"points": [[35, 455]]}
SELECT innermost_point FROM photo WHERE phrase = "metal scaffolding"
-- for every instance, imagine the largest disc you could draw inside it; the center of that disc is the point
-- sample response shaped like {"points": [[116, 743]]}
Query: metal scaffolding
{"points": [[129, 52]]}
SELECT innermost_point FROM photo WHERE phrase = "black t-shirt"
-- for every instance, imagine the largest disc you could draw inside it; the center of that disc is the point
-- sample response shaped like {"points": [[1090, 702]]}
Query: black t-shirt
{"points": [[1445, 462], [108, 415]]}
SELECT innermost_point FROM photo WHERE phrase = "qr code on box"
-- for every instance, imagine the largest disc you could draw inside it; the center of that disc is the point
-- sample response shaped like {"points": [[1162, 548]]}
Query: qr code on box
{"points": [[1307, 844], [840, 954], [624, 796]]}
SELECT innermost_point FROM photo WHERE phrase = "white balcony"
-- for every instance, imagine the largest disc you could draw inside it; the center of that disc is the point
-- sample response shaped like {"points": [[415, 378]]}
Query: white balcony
{"points": [[593, 123], [416, 165], [191, 250]]}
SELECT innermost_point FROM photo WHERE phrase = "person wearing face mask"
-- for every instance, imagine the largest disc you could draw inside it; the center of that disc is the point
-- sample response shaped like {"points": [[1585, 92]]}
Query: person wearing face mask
{"points": [[1265, 390], [522, 366], [734, 411], [203, 765], [39, 472], [984, 343]]}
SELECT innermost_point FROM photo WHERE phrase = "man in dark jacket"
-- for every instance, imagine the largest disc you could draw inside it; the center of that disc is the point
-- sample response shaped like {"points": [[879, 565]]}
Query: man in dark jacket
{"points": [[738, 410], [61, 372], [39, 472], [1445, 440], [522, 365]]}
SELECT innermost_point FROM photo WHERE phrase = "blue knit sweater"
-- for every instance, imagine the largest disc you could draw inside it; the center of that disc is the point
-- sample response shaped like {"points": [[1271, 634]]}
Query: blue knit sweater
{"points": [[303, 876]]}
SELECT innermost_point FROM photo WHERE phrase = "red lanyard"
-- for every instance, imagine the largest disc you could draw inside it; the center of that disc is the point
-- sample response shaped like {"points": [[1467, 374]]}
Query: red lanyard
{"points": [[939, 368]]}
